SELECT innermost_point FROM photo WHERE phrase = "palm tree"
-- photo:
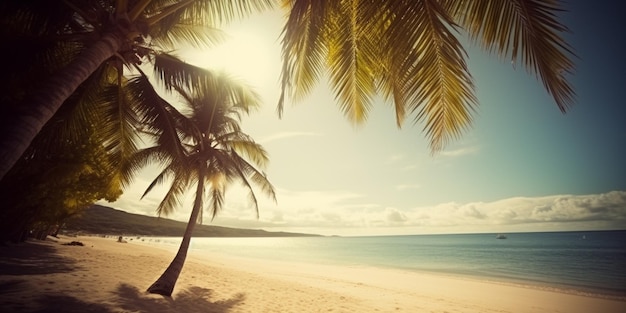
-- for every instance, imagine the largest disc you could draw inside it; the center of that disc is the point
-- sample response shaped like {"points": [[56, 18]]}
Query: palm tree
{"points": [[55, 157], [82, 36], [408, 51], [211, 151]]}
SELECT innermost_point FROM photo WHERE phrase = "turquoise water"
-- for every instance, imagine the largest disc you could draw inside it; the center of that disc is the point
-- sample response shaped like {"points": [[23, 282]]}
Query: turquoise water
{"points": [[583, 261]]}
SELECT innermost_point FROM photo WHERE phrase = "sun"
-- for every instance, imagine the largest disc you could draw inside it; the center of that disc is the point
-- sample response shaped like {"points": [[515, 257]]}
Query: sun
{"points": [[249, 55]]}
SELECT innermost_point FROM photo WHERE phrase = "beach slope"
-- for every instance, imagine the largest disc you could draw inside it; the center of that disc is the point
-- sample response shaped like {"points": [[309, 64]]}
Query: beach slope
{"points": [[107, 276]]}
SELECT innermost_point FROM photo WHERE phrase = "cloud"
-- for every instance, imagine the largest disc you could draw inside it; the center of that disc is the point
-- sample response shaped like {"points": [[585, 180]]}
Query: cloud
{"points": [[347, 212], [459, 152], [473, 212], [552, 213], [285, 135], [395, 216]]}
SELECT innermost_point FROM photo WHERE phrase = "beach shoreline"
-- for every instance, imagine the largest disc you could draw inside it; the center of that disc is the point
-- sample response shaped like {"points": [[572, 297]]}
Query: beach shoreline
{"points": [[107, 276]]}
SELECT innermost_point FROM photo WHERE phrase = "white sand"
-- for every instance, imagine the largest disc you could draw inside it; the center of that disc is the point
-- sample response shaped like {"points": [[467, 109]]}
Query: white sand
{"points": [[106, 276]]}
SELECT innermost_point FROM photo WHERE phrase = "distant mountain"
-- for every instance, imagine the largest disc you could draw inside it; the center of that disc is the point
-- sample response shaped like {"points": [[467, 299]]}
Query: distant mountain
{"points": [[103, 220]]}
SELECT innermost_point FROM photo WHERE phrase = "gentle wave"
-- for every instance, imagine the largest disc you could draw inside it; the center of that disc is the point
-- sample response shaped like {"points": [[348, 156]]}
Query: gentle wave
{"points": [[582, 262]]}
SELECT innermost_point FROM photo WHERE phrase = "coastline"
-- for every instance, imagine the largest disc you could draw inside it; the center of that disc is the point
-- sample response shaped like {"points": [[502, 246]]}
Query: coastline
{"points": [[106, 276]]}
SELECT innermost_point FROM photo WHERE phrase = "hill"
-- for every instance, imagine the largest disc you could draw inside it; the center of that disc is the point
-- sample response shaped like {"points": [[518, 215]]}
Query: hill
{"points": [[104, 220]]}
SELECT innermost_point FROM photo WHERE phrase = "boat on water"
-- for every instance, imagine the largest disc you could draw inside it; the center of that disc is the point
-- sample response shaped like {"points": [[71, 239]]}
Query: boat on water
{"points": [[500, 236]]}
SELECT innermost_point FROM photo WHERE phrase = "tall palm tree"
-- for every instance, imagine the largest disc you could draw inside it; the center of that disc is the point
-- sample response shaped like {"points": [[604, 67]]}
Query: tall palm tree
{"points": [[82, 36], [211, 151], [409, 51]]}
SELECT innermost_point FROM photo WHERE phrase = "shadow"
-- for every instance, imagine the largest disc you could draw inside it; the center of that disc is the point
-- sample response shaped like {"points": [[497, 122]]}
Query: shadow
{"points": [[67, 304], [9, 286], [33, 258], [37, 258], [194, 299]]}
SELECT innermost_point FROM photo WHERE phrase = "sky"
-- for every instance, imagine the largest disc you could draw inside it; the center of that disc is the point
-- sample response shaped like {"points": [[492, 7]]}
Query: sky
{"points": [[522, 166]]}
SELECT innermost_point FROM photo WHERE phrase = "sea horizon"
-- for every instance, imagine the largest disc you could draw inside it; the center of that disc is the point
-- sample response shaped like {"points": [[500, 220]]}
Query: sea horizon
{"points": [[583, 262]]}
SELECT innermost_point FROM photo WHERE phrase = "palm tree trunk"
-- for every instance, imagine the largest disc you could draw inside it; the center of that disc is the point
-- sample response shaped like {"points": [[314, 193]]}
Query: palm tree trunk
{"points": [[166, 282], [32, 114]]}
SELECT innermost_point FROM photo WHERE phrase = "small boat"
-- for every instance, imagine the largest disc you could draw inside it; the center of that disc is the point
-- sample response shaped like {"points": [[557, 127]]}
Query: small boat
{"points": [[500, 236]]}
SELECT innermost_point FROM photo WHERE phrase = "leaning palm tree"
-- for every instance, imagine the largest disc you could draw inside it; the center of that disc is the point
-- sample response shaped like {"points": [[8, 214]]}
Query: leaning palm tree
{"points": [[81, 36], [409, 51], [210, 151]]}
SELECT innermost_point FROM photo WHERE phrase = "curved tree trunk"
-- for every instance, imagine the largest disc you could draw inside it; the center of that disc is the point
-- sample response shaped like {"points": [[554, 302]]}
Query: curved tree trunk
{"points": [[32, 114], [166, 282]]}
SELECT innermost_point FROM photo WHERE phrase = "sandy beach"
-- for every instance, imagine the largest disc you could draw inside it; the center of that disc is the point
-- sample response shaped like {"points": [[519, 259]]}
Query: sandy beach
{"points": [[107, 276]]}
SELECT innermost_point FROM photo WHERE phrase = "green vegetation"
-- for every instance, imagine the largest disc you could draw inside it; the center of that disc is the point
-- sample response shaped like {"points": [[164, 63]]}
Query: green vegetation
{"points": [[57, 178], [102, 220]]}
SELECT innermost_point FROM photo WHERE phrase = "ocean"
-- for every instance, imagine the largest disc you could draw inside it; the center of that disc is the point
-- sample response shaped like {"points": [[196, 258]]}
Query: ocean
{"points": [[591, 262]]}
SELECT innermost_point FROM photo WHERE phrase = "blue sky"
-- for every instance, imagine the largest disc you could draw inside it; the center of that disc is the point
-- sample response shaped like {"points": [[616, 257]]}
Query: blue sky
{"points": [[522, 166]]}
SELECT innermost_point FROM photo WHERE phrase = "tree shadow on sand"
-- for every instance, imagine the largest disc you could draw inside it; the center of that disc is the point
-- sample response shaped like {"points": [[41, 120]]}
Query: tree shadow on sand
{"points": [[25, 259], [33, 258], [194, 299], [67, 304], [130, 299]]}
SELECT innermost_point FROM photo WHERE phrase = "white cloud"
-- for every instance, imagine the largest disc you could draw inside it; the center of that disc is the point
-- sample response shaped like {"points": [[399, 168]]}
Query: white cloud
{"points": [[394, 216], [459, 151], [559, 212], [346, 212]]}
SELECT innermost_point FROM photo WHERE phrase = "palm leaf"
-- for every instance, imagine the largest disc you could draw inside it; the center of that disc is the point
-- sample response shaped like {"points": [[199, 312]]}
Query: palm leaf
{"points": [[525, 29], [142, 158], [204, 11], [244, 145], [178, 187], [156, 114], [172, 71], [159, 179], [121, 139], [437, 86], [216, 200], [187, 33], [303, 47], [352, 60]]}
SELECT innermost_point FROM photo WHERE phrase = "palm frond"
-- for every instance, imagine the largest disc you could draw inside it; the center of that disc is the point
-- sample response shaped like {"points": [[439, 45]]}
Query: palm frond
{"points": [[303, 48], [157, 115], [248, 175], [437, 85], [524, 29], [185, 33], [216, 200], [243, 177], [225, 11], [159, 179], [151, 155], [353, 60], [257, 177], [121, 139], [230, 92], [174, 196], [172, 71], [244, 145]]}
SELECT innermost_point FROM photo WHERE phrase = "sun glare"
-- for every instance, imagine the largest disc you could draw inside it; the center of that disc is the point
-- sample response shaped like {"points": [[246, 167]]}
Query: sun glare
{"points": [[249, 55]]}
